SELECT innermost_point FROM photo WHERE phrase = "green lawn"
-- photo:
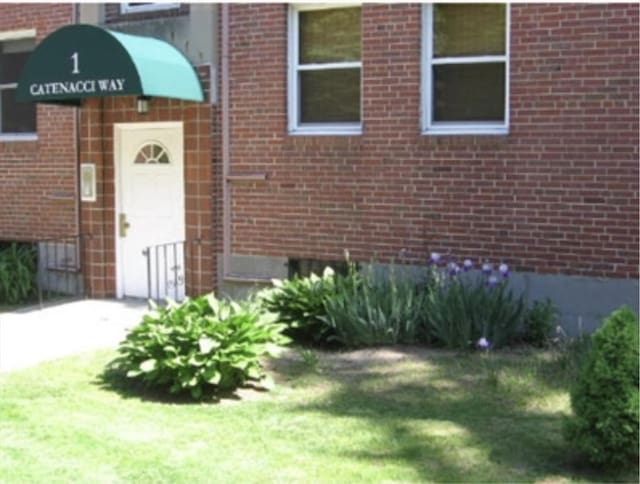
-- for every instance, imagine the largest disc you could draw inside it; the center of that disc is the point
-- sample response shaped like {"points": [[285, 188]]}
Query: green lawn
{"points": [[407, 415]]}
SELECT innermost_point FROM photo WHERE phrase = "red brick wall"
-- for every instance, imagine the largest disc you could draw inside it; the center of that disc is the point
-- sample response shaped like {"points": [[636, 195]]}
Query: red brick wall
{"points": [[98, 118], [559, 194], [38, 178]]}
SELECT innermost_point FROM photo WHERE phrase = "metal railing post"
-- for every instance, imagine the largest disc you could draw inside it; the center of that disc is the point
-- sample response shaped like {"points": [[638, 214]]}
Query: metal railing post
{"points": [[175, 270], [157, 276], [147, 253], [79, 288], [39, 274], [57, 267], [66, 267], [166, 276]]}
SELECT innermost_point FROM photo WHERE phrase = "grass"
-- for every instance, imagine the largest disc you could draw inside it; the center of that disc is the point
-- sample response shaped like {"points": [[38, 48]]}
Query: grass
{"points": [[389, 415]]}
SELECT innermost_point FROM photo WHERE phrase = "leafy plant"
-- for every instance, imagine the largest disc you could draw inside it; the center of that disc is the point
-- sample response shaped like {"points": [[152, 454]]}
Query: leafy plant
{"points": [[200, 346], [310, 360], [461, 308], [366, 310], [605, 397], [539, 322], [18, 271], [299, 303]]}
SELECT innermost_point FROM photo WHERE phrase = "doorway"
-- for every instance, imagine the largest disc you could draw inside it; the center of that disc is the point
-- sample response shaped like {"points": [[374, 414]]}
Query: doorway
{"points": [[150, 209]]}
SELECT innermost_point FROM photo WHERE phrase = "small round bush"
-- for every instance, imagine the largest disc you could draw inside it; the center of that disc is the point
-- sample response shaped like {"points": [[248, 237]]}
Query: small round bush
{"points": [[539, 322], [200, 346], [605, 397]]}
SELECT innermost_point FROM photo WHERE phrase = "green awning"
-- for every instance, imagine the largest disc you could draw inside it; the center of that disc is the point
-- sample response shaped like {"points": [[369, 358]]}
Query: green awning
{"points": [[82, 61]]}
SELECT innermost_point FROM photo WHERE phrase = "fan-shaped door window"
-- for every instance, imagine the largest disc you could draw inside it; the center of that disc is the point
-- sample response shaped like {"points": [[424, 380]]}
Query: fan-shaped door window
{"points": [[152, 153]]}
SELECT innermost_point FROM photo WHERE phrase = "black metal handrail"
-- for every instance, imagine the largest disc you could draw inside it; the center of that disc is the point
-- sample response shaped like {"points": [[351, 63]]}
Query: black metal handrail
{"points": [[60, 266], [168, 264]]}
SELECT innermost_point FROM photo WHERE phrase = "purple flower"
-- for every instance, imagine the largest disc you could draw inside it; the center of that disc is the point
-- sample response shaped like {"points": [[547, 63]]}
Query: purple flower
{"points": [[454, 269], [467, 265], [504, 270], [487, 268], [483, 344], [435, 257], [492, 281]]}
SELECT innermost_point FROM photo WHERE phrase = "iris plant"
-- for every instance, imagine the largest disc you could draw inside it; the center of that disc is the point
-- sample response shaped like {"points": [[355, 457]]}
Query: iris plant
{"points": [[452, 268]]}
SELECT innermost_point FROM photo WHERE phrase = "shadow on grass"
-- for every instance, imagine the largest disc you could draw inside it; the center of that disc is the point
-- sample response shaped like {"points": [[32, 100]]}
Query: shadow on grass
{"points": [[131, 388], [495, 437], [295, 365]]}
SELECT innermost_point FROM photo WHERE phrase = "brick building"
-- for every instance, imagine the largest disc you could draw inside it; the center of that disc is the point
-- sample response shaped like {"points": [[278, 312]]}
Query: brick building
{"points": [[37, 145], [507, 133]]}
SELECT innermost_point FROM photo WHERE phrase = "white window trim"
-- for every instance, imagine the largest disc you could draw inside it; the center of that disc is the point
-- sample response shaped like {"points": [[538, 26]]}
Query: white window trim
{"points": [[18, 137], [8, 36], [295, 126], [17, 35], [126, 8], [458, 128]]}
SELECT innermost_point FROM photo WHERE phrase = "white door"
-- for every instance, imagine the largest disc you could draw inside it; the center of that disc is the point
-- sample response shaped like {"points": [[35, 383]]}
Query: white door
{"points": [[149, 210]]}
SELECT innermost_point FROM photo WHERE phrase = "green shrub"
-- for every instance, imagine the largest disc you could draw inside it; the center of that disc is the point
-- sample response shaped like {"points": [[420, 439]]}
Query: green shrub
{"points": [[605, 396], [200, 346], [299, 303], [367, 310], [18, 272], [539, 322], [461, 309]]}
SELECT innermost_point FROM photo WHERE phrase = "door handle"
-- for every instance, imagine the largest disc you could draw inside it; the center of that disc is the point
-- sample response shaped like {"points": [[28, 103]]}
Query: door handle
{"points": [[123, 224]]}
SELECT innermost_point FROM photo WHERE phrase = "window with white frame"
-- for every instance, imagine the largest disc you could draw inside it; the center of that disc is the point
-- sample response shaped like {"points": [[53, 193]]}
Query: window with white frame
{"points": [[146, 7], [17, 119], [465, 69], [324, 69]]}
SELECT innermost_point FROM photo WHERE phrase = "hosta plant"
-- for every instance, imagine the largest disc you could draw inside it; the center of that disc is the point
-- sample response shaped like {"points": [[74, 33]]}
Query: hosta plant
{"points": [[200, 346], [300, 304]]}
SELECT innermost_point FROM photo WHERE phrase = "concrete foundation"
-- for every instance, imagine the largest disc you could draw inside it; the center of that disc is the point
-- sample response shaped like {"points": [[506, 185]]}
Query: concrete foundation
{"points": [[583, 302], [257, 270]]}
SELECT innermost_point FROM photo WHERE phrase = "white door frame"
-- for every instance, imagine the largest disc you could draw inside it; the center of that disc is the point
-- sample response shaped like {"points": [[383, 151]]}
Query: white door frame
{"points": [[118, 129]]}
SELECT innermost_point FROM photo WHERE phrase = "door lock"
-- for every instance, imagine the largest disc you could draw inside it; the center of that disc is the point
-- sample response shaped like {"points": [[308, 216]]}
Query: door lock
{"points": [[123, 224]]}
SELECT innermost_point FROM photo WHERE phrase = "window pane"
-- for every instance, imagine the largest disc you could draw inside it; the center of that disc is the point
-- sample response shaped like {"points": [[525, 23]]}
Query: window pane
{"points": [[331, 95], [16, 117], [469, 92], [329, 35], [20, 45], [140, 158], [157, 150], [13, 55], [11, 66], [463, 29]]}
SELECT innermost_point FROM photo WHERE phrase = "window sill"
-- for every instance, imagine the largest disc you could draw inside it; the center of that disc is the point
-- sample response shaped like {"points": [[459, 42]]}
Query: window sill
{"points": [[465, 130], [155, 7], [10, 138], [326, 131]]}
